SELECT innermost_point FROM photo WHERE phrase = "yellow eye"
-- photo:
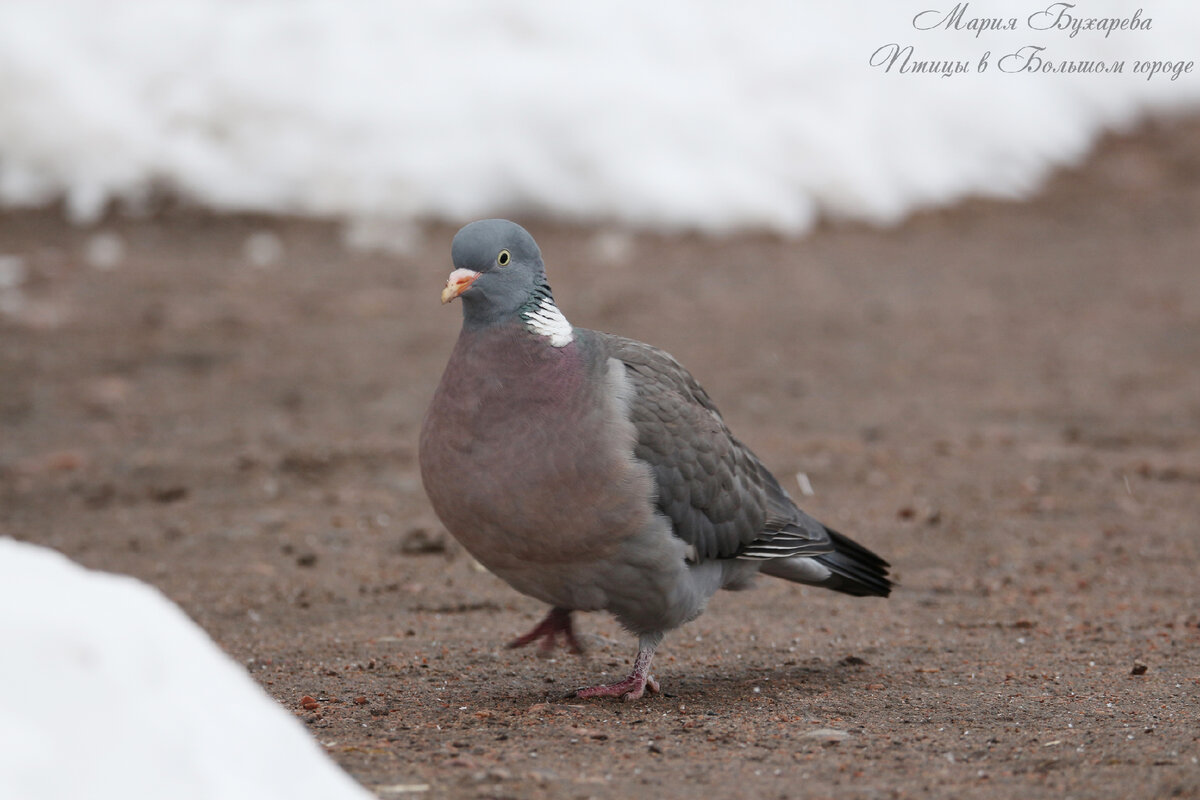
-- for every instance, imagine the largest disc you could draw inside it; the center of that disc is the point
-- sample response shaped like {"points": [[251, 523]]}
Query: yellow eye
{"points": [[503, 258]]}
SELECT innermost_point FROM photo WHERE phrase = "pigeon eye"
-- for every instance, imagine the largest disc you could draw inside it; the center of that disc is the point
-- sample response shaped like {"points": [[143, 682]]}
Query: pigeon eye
{"points": [[503, 258]]}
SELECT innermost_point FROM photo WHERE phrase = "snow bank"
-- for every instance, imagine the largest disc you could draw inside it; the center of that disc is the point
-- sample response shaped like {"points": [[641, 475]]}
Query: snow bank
{"points": [[716, 115], [112, 692]]}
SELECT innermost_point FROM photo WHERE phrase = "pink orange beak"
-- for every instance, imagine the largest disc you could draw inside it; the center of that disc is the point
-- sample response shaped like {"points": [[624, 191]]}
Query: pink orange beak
{"points": [[459, 281]]}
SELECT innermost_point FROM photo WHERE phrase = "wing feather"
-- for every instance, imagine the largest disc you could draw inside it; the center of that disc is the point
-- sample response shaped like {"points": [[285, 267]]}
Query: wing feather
{"points": [[718, 495]]}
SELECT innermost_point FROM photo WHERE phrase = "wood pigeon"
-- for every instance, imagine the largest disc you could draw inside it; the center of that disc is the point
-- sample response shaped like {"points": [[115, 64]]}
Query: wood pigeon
{"points": [[592, 472]]}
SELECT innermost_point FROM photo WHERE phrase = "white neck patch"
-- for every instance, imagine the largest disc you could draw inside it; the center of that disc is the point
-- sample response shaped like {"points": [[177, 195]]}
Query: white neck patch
{"points": [[546, 320]]}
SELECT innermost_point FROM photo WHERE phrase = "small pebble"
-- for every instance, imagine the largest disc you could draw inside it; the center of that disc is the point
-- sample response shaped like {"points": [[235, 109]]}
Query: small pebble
{"points": [[421, 541]]}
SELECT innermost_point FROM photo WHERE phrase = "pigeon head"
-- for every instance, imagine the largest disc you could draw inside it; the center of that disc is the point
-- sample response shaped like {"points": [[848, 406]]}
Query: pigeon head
{"points": [[498, 271]]}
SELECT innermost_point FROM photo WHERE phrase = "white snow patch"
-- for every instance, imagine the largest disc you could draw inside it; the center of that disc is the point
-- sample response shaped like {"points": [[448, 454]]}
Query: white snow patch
{"points": [[112, 693], [712, 115]]}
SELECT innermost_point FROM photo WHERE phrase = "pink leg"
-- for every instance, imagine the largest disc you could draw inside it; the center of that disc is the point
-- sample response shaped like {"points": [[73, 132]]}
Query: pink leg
{"points": [[556, 621], [638, 681]]}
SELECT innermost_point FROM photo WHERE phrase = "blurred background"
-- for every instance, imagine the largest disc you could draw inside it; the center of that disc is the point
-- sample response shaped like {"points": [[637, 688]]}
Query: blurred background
{"points": [[768, 115], [950, 298]]}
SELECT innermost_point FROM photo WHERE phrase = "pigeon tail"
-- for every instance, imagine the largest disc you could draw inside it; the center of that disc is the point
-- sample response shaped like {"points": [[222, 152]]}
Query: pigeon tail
{"points": [[851, 569]]}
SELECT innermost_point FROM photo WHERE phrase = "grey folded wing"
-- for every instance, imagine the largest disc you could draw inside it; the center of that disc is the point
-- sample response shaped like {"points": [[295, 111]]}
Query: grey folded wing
{"points": [[717, 494]]}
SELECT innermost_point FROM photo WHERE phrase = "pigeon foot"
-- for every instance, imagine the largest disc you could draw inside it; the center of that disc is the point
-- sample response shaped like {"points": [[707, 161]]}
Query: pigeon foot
{"points": [[638, 681], [630, 689], [557, 621]]}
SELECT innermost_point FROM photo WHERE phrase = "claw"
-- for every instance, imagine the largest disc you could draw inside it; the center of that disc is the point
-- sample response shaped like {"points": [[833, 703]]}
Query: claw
{"points": [[556, 621], [638, 682], [630, 689]]}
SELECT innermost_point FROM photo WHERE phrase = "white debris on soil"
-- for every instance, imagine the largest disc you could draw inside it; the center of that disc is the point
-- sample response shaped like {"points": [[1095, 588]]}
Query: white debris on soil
{"points": [[104, 251], [263, 250], [827, 734], [13, 274], [373, 234]]}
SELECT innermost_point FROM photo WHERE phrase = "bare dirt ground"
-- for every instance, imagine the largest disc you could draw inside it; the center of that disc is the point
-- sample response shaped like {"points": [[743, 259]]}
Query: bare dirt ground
{"points": [[1002, 399]]}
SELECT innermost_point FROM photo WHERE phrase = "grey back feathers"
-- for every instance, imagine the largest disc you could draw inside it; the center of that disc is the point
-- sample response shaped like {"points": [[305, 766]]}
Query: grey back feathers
{"points": [[718, 495]]}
